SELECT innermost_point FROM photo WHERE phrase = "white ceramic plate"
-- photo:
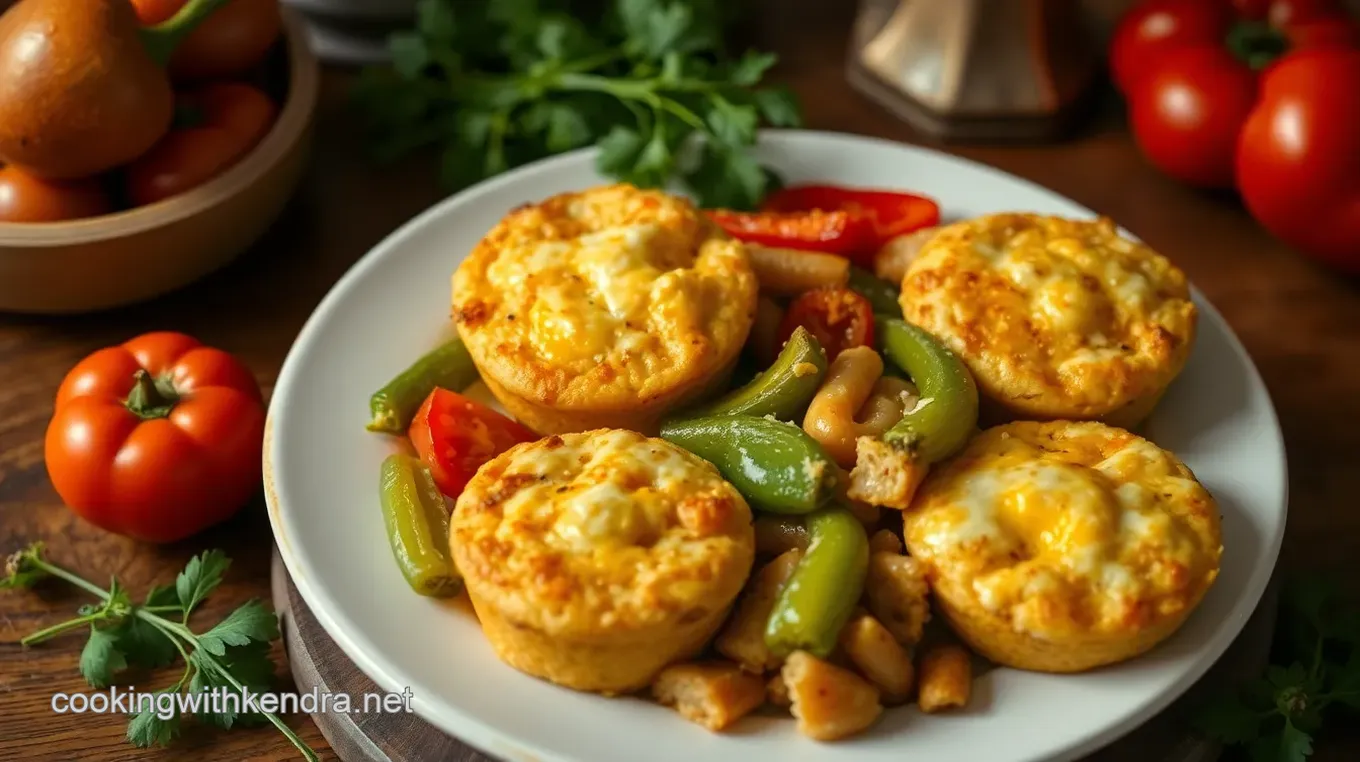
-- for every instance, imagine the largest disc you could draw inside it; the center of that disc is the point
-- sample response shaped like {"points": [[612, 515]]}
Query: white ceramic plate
{"points": [[393, 306]]}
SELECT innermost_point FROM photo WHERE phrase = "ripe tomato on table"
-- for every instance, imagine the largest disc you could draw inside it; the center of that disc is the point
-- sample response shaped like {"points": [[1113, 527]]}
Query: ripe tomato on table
{"points": [[157, 438], [1298, 160], [230, 42], [1190, 69], [215, 127], [454, 436]]}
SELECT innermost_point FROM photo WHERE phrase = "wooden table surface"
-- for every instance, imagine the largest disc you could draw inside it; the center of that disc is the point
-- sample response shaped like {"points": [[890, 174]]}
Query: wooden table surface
{"points": [[1298, 322]]}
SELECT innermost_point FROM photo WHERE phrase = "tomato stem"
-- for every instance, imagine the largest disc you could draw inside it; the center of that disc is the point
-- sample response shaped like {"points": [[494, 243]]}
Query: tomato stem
{"points": [[1256, 43], [148, 399], [162, 39]]}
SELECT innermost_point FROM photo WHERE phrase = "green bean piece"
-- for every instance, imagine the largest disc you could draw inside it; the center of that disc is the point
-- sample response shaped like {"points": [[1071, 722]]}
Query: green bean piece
{"points": [[448, 367], [942, 422], [881, 294], [783, 390], [776, 466], [417, 522], [821, 594]]}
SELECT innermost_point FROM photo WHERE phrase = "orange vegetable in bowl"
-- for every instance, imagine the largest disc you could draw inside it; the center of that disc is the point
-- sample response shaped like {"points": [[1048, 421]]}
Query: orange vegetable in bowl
{"points": [[157, 438], [82, 88], [234, 40], [217, 125], [25, 198]]}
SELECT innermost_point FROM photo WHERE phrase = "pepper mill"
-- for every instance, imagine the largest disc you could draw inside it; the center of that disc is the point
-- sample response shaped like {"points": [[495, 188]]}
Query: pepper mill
{"points": [[976, 70]]}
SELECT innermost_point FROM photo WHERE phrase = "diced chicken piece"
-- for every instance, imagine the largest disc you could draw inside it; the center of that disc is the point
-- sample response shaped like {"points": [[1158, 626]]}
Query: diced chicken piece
{"points": [[885, 541], [777, 692], [885, 475], [879, 657], [712, 694], [895, 592], [743, 638], [946, 678], [828, 702]]}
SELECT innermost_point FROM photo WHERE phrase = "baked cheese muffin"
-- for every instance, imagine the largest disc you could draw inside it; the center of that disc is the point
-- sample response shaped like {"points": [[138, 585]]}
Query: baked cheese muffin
{"points": [[1056, 318], [1064, 546], [596, 559], [604, 309]]}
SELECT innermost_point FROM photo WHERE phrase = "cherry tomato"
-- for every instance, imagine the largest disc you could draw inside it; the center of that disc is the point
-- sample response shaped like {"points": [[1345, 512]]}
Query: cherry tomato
{"points": [[25, 198], [157, 438], [837, 317], [455, 436], [1187, 112], [230, 42], [219, 124], [1298, 160]]}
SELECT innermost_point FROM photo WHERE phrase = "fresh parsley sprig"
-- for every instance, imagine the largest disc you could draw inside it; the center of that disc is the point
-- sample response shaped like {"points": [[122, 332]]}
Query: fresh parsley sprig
{"points": [[1314, 673], [503, 82], [233, 655]]}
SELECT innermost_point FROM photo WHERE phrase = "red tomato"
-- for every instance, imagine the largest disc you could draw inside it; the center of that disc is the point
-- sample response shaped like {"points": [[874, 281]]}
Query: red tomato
{"points": [[1190, 71], [230, 42], [25, 198], [837, 317], [157, 438], [1187, 114], [226, 120], [1151, 28], [455, 436], [1298, 160]]}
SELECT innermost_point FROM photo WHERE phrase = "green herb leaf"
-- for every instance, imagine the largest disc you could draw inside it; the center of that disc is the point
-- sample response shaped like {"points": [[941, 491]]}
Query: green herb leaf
{"points": [[101, 657], [733, 126], [752, 66], [147, 728], [727, 179], [779, 107], [200, 577], [251, 622], [143, 644], [1295, 745], [619, 151], [249, 664], [162, 595], [409, 53], [435, 20]]}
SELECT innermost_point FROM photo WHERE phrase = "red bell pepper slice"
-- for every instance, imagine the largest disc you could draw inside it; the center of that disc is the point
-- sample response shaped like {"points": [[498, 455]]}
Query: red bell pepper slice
{"points": [[890, 213], [834, 232], [455, 436]]}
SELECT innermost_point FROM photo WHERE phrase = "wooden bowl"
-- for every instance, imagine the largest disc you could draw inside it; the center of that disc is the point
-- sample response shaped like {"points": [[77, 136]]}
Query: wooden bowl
{"points": [[131, 256]]}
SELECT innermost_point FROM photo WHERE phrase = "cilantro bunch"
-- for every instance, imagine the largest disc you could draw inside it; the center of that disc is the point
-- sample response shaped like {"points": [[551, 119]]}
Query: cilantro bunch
{"points": [[499, 83], [232, 655], [1314, 673]]}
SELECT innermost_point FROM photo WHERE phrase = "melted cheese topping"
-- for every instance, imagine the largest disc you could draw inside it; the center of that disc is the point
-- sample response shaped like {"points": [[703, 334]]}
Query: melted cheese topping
{"points": [[604, 298], [1066, 528], [605, 528], [1056, 318]]}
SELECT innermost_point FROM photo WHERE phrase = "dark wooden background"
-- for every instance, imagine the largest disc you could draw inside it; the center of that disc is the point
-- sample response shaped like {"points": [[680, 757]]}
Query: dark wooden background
{"points": [[1298, 322]]}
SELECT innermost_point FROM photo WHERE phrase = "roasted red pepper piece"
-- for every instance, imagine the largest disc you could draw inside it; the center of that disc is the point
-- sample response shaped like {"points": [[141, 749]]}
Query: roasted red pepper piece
{"points": [[837, 232], [891, 213], [837, 317]]}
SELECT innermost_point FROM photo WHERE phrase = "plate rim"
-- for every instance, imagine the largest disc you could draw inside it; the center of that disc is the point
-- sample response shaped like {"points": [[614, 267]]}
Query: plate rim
{"points": [[482, 735]]}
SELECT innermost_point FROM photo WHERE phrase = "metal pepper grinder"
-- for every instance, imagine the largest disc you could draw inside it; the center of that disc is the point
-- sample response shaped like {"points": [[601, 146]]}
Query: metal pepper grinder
{"points": [[976, 70]]}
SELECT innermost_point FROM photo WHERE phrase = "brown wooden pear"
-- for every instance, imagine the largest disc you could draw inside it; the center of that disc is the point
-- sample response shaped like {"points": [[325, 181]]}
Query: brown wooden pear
{"points": [[83, 87]]}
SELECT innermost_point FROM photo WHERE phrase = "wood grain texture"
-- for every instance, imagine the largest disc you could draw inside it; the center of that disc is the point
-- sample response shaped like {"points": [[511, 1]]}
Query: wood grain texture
{"points": [[1298, 322]]}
